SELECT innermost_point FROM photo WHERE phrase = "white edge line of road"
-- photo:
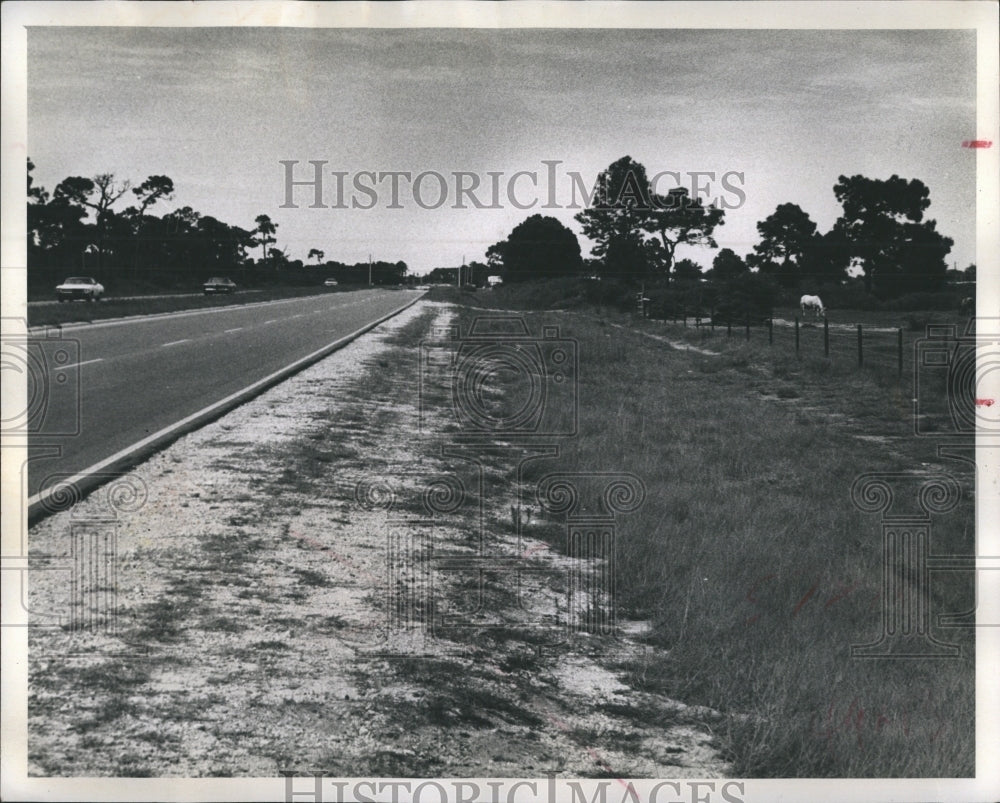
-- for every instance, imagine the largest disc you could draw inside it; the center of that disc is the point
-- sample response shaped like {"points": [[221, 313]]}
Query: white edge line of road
{"points": [[78, 364], [95, 475], [59, 327]]}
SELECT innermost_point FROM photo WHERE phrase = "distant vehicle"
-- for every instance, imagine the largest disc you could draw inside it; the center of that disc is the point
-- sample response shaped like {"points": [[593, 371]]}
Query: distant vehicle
{"points": [[80, 287], [330, 283], [219, 284]]}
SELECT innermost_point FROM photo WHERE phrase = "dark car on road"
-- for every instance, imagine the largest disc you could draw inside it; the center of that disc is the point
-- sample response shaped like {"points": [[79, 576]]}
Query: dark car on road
{"points": [[218, 284], [80, 287]]}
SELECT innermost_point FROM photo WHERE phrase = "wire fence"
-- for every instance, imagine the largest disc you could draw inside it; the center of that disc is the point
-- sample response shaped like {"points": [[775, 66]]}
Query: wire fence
{"points": [[864, 345]]}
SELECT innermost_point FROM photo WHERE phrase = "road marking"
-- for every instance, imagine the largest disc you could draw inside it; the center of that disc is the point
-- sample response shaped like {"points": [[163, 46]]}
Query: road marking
{"points": [[131, 319], [202, 416], [177, 342], [235, 329], [78, 364]]}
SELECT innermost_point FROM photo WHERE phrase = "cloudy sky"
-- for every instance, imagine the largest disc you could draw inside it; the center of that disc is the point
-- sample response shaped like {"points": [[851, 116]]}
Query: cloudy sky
{"points": [[217, 109]]}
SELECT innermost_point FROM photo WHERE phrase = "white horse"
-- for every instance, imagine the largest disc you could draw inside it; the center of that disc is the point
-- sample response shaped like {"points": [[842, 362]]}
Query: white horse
{"points": [[814, 303]]}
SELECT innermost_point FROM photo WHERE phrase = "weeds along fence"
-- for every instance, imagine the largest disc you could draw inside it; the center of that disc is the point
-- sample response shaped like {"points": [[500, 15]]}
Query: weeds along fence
{"points": [[864, 346]]}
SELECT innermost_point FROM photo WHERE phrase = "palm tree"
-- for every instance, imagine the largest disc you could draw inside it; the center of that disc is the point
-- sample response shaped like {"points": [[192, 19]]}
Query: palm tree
{"points": [[149, 192], [266, 229]]}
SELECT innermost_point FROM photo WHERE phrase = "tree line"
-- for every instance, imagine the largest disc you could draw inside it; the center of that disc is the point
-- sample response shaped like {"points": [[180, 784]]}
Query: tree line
{"points": [[881, 232], [105, 227]]}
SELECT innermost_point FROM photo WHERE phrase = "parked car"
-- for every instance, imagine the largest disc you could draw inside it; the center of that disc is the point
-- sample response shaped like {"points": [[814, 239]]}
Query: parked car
{"points": [[218, 284], [330, 283], [80, 287]]}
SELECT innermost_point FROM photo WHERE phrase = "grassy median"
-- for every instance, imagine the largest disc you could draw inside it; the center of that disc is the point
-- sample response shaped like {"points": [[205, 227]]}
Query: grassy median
{"points": [[748, 556]]}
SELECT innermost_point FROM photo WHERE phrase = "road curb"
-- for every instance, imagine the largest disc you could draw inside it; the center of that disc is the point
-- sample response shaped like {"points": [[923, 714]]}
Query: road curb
{"points": [[75, 488]]}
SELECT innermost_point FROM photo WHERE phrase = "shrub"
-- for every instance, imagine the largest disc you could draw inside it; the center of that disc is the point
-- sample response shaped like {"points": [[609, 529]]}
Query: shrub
{"points": [[945, 300], [917, 323], [678, 298], [750, 295], [557, 293], [609, 292]]}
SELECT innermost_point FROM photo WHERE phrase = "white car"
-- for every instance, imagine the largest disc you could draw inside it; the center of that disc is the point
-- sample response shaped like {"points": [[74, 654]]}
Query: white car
{"points": [[79, 287], [219, 284], [330, 283]]}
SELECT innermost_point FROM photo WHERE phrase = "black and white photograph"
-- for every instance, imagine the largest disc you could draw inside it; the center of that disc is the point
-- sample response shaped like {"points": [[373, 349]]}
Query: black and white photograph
{"points": [[450, 401]]}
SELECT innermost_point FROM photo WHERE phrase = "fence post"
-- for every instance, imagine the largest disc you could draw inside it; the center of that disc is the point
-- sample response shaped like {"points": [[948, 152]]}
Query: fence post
{"points": [[770, 331], [711, 313], [861, 358], [748, 324], [899, 349], [796, 337], [685, 319], [729, 328], [826, 338]]}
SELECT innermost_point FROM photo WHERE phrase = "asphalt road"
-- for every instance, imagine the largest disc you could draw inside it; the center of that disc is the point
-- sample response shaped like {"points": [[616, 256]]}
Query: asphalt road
{"points": [[50, 302], [108, 386]]}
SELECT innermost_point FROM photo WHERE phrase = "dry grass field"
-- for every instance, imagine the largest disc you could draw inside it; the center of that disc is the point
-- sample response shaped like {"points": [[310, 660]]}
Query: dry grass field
{"points": [[748, 555]]}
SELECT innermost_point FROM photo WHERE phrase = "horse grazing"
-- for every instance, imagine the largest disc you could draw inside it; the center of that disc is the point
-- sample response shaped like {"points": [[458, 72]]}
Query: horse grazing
{"points": [[814, 303]]}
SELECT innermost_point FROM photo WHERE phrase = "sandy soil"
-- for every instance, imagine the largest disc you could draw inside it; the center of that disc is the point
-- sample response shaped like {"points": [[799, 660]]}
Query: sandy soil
{"points": [[310, 583]]}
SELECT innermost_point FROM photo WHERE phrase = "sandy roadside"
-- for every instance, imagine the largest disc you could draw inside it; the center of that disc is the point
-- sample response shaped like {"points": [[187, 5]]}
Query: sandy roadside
{"points": [[279, 580]]}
